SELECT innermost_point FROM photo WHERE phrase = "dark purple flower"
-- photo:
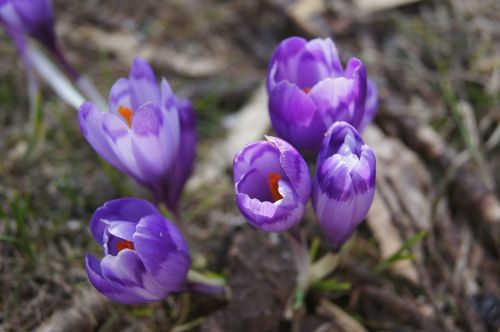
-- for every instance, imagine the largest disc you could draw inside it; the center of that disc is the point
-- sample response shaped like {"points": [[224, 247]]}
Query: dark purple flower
{"points": [[33, 17], [309, 90], [344, 184], [142, 134], [145, 255], [272, 184]]}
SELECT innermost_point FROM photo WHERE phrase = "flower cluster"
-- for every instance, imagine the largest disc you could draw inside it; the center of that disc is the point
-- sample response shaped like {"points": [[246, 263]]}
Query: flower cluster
{"points": [[149, 134], [318, 107]]}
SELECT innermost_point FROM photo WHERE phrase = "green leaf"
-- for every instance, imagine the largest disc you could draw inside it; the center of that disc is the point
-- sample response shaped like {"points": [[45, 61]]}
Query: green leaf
{"points": [[37, 130], [332, 285], [404, 253], [313, 250], [298, 302], [8, 238]]}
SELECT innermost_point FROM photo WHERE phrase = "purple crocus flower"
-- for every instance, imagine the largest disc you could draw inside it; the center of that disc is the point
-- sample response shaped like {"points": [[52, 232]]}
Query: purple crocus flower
{"points": [[142, 134], [272, 184], [344, 184], [145, 256], [33, 17], [309, 90]]}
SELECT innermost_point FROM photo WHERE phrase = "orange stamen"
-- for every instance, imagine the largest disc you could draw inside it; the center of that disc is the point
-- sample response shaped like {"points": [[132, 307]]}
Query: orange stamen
{"points": [[306, 89], [124, 244], [272, 181], [126, 113]]}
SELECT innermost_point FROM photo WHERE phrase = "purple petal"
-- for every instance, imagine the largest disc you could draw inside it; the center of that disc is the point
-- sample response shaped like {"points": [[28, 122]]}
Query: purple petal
{"points": [[163, 250], [303, 63], [124, 209], [294, 167], [371, 104], [122, 229], [254, 184], [356, 70], [272, 217], [284, 60], [91, 125], [152, 144], [295, 118], [143, 84], [325, 51], [170, 110], [125, 268], [120, 95], [112, 290], [118, 135], [184, 163]]}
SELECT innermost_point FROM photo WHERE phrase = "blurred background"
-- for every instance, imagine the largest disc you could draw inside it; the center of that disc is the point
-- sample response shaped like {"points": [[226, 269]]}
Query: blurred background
{"points": [[426, 259]]}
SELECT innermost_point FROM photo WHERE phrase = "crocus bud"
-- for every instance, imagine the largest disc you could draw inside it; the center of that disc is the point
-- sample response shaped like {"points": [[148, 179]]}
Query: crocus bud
{"points": [[344, 184], [33, 17], [272, 184], [141, 133], [309, 90], [145, 256]]}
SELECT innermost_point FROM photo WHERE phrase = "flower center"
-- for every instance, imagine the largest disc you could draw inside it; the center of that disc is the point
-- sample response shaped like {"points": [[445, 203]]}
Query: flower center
{"points": [[306, 89], [272, 182], [126, 113], [124, 244]]}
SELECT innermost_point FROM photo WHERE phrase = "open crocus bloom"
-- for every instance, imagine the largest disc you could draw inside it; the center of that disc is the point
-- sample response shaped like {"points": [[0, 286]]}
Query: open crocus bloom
{"points": [[142, 132], [145, 256], [33, 17], [309, 90], [344, 184], [272, 184]]}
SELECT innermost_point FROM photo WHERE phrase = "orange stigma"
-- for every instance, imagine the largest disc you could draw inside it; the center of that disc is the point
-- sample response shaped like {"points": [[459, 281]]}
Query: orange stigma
{"points": [[124, 244], [272, 182], [306, 89], [126, 113]]}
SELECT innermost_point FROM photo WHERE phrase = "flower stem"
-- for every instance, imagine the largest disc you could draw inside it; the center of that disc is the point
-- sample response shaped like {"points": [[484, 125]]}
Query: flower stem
{"points": [[209, 283]]}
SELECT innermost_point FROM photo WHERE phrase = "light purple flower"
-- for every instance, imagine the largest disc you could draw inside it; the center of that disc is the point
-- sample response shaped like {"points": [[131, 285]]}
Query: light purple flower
{"points": [[344, 184], [33, 17], [145, 256], [272, 184], [142, 134], [309, 90]]}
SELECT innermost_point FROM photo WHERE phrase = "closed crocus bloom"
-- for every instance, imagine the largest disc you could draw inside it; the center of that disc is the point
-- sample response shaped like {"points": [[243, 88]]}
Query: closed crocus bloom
{"points": [[145, 255], [344, 184], [272, 184], [33, 17], [309, 90], [141, 133]]}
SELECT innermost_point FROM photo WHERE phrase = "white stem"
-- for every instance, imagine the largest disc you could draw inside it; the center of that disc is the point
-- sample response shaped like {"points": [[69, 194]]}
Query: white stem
{"points": [[54, 77], [197, 277]]}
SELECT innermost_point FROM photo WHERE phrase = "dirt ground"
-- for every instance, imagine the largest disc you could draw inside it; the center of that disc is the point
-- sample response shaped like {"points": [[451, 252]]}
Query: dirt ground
{"points": [[436, 136]]}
